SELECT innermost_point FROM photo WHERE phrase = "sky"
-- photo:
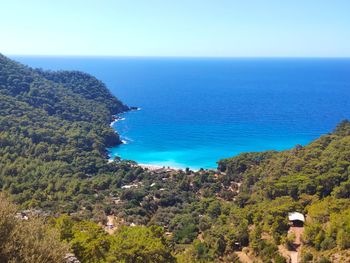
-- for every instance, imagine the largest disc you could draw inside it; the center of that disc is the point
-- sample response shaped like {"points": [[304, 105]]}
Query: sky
{"points": [[190, 28]]}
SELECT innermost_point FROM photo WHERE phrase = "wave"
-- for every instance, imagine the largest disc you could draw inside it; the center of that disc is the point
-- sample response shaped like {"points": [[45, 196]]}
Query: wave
{"points": [[116, 120]]}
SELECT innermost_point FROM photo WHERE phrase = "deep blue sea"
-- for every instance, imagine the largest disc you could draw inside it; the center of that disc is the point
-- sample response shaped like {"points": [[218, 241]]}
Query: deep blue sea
{"points": [[197, 111]]}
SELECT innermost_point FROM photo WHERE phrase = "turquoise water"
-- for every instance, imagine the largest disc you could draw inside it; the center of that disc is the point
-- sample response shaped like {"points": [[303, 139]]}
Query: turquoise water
{"points": [[197, 111]]}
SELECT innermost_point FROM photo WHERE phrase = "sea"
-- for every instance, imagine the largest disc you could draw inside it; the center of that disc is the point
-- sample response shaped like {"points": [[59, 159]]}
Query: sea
{"points": [[196, 111]]}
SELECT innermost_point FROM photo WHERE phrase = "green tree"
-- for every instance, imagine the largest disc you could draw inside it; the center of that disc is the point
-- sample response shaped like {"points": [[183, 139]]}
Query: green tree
{"points": [[139, 245], [90, 242], [27, 241]]}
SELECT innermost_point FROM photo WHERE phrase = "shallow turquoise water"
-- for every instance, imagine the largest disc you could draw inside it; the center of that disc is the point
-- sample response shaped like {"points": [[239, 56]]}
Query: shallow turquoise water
{"points": [[197, 111]]}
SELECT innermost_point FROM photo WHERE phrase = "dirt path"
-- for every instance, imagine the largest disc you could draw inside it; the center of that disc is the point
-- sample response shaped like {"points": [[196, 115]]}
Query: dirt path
{"points": [[110, 221], [244, 257], [284, 252], [298, 232], [293, 256]]}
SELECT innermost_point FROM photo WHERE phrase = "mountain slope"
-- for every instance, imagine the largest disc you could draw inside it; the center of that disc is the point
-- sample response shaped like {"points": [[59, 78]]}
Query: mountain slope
{"points": [[54, 126], [321, 168]]}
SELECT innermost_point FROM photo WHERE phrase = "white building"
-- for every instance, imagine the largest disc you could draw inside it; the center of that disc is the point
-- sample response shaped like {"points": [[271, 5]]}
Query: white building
{"points": [[296, 218]]}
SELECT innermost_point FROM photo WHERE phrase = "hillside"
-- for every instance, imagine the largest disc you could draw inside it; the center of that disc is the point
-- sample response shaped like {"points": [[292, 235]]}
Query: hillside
{"points": [[54, 130], [313, 180]]}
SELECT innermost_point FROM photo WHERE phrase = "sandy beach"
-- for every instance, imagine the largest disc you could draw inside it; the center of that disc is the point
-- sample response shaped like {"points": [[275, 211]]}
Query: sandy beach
{"points": [[153, 167]]}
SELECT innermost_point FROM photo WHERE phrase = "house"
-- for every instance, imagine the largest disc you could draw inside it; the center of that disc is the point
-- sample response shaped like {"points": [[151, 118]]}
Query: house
{"points": [[129, 186], [296, 218]]}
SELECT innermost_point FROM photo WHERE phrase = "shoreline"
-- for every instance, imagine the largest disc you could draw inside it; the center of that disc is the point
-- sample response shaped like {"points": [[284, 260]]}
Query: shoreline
{"points": [[151, 167], [116, 118], [155, 167]]}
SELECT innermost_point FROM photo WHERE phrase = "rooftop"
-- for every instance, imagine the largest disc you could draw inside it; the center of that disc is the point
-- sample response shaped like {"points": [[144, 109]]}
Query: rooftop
{"points": [[296, 216]]}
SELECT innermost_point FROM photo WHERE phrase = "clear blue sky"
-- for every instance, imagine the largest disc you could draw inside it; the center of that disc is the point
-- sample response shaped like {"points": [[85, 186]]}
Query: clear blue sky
{"points": [[286, 28]]}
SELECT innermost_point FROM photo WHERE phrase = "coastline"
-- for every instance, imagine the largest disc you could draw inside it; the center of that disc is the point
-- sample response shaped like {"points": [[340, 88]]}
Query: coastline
{"points": [[116, 118], [155, 167], [151, 167]]}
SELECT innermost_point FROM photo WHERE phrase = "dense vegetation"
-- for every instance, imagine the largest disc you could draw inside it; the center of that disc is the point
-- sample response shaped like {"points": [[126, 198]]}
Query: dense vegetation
{"points": [[91, 243], [54, 131], [27, 241]]}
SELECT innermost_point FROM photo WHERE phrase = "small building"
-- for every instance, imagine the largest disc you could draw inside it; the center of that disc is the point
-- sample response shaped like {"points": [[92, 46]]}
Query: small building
{"points": [[110, 225], [129, 186], [296, 218]]}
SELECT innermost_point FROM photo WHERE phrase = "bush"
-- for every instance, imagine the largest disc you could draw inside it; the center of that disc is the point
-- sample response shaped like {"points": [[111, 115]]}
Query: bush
{"points": [[289, 241], [139, 245], [324, 260], [27, 241], [307, 257], [279, 259], [328, 243]]}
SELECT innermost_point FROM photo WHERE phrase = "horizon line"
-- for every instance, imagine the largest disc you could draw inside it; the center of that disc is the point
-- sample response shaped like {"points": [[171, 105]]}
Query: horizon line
{"points": [[194, 57]]}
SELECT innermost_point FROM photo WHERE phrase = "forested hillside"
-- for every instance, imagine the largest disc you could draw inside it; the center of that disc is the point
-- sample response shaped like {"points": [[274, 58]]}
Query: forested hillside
{"points": [[54, 130], [313, 180]]}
